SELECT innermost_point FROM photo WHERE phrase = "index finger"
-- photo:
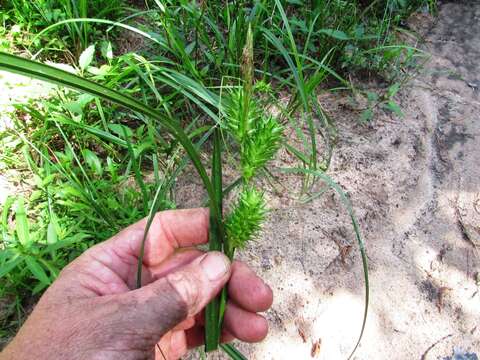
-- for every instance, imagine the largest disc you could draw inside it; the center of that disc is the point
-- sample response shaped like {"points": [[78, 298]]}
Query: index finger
{"points": [[170, 230]]}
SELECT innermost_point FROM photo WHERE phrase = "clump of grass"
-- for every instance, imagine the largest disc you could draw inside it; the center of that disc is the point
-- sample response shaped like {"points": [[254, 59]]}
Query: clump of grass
{"points": [[29, 17], [258, 137]]}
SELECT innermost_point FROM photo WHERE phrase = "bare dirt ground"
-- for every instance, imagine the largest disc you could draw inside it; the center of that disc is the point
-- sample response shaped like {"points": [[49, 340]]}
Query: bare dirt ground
{"points": [[415, 185]]}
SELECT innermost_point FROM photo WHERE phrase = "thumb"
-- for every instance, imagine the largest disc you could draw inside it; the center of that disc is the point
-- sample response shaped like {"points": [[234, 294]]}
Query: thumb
{"points": [[161, 305]]}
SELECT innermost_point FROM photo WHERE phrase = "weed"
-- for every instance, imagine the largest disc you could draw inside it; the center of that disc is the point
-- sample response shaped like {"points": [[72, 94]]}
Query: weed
{"points": [[28, 17]]}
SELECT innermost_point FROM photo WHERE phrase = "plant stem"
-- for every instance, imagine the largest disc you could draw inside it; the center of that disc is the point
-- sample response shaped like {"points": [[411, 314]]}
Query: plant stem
{"points": [[216, 237]]}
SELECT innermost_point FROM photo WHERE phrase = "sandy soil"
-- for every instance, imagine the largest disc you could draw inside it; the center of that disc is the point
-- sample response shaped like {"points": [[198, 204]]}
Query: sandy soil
{"points": [[415, 185]]}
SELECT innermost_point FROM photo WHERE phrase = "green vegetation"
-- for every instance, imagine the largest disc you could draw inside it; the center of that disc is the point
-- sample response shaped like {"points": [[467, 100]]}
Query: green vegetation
{"points": [[150, 91]]}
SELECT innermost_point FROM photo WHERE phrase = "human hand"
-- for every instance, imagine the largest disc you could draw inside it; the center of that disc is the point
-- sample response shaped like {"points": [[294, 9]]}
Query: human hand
{"points": [[93, 311]]}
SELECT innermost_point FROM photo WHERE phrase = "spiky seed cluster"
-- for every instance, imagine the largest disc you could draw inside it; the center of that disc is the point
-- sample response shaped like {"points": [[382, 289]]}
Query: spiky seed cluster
{"points": [[244, 222], [261, 146], [261, 138], [234, 115]]}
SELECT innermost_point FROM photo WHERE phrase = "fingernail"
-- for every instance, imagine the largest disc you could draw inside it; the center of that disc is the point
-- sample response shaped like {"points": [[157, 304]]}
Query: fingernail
{"points": [[215, 265]]}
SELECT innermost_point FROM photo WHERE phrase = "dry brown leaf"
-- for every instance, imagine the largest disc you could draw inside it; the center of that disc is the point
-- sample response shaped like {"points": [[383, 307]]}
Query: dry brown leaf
{"points": [[440, 297], [302, 334], [316, 346]]}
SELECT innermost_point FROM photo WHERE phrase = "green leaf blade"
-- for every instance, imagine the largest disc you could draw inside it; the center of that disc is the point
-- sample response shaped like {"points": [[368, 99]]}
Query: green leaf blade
{"points": [[21, 223], [37, 270], [86, 57]]}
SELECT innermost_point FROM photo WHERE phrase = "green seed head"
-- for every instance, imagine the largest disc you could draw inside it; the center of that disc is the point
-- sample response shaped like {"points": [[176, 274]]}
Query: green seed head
{"points": [[244, 222], [260, 141], [261, 146]]}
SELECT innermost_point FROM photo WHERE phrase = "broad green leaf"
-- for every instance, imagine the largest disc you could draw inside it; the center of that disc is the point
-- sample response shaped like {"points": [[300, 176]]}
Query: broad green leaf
{"points": [[106, 50], [95, 131], [102, 71], [37, 270], [86, 57], [6, 255], [52, 236], [372, 96], [67, 191], [21, 223], [393, 107], [120, 130], [5, 210], [48, 179], [366, 115], [337, 34], [74, 107], [393, 89], [67, 242], [9, 265], [85, 99], [189, 48], [35, 195], [93, 161], [39, 287]]}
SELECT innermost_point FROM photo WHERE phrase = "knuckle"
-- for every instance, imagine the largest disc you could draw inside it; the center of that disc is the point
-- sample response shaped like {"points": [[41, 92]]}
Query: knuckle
{"points": [[187, 287], [163, 220]]}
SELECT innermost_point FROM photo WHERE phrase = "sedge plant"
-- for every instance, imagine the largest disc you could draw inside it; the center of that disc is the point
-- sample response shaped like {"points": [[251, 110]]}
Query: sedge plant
{"points": [[258, 136], [297, 46]]}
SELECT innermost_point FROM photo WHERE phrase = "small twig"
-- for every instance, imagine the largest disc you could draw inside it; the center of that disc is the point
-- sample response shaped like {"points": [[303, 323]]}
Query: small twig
{"points": [[424, 356], [463, 229], [440, 297]]}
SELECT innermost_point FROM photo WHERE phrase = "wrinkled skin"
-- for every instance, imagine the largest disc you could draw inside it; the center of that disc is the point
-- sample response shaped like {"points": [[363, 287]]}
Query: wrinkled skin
{"points": [[93, 311]]}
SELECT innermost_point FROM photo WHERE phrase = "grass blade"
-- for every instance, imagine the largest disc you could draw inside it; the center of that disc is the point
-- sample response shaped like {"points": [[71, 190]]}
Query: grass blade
{"points": [[216, 236], [299, 66], [346, 202], [231, 351], [105, 135], [10, 264], [37, 270], [151, 216], [136, 171], [101, 21]]}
